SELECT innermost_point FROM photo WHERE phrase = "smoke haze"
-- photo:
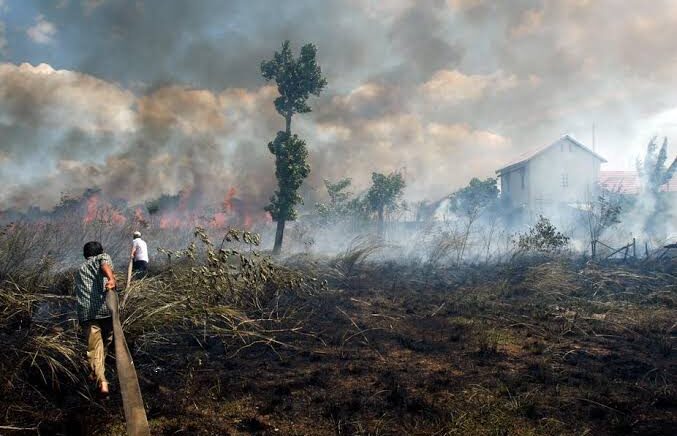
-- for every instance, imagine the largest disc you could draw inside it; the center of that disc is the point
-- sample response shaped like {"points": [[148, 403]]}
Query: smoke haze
{"points": [[144, 98]]}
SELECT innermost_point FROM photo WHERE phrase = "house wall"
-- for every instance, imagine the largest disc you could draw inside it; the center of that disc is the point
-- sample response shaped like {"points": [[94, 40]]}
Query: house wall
{"points": [[564, 173], [512, 187]]}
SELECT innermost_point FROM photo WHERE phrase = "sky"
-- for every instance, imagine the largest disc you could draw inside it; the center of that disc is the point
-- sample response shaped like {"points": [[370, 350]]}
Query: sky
{"points": [[148, 97]]}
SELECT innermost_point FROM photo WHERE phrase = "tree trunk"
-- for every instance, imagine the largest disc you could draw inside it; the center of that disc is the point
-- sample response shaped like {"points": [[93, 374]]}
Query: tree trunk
{"points": [[381, 224], [279, 233]]}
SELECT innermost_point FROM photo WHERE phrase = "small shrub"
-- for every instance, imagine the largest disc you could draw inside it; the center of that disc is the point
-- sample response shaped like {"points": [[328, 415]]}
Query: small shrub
{"points": [[542, 237]]}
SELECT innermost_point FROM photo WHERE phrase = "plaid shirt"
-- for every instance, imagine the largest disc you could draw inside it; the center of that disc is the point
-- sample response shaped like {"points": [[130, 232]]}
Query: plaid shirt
{"points": [[90, 285]]}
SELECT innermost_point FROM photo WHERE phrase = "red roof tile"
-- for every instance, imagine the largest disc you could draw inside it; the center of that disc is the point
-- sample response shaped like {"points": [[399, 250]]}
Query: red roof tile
{"points": [[628, 182]]}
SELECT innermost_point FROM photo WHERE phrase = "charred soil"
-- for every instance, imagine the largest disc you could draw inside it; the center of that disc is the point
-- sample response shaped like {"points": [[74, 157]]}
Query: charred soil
{"points": [[537, 346]]}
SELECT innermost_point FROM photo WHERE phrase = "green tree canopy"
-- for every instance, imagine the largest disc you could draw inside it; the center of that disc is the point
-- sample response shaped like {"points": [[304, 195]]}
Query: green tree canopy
{"points": [[291, 163], [297, 79], [337, 191], [472, 200], [384, 193], [339, 205]]}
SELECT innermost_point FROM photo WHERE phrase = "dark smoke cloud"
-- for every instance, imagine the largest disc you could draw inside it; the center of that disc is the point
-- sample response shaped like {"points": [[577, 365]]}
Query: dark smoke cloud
{"points": [[425, 46], [211, 43]]}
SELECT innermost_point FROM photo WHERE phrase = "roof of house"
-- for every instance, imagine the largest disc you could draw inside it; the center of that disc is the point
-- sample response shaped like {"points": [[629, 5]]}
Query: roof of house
{"points": [[525, 157], [628, 182]]}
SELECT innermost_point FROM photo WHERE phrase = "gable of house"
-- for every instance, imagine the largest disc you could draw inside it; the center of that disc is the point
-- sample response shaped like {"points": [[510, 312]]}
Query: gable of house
{"points": [[566, 142], [565, 171]]}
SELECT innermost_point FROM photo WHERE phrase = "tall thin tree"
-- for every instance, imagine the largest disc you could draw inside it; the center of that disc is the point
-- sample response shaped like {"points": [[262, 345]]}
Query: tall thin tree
{"points": [[297, 79], [655, 173]]}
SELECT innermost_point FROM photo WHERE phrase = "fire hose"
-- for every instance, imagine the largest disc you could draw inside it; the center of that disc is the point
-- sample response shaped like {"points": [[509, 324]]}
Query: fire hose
{"points": [[132, 402]]}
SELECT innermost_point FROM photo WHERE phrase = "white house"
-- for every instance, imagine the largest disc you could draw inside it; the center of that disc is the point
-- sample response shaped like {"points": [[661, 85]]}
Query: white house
{"points": [[565, 173]]}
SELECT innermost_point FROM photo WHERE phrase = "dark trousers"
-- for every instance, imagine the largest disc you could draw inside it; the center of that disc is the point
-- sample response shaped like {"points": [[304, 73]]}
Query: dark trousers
{"points": [[140, 268]]}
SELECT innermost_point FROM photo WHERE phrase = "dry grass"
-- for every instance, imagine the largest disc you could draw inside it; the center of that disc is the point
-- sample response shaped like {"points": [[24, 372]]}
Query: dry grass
{"points": [[227, 340], [360, 248], [231, 293]]}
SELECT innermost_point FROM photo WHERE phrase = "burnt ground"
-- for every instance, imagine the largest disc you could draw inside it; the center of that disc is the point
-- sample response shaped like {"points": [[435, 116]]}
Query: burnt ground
{"points": [[523, 356]]}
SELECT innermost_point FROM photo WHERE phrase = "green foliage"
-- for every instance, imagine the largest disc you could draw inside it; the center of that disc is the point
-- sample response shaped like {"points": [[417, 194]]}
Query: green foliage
{"points": [[291, 168], [231, 288], [610, 211], [383, 195], [474, 198], [296, 79], [359, 208], [336, 191], [385, 191], [653, 169], [339, 204], [605, 213], [542, 237]]}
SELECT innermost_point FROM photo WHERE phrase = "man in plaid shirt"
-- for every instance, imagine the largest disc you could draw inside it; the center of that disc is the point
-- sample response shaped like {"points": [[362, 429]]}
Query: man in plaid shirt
{"points": [[95, 277]]}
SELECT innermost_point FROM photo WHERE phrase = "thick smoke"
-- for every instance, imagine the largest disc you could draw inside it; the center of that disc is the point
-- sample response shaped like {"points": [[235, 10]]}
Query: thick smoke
{"points": [[175, 138], [61, 139], [149, 98]]}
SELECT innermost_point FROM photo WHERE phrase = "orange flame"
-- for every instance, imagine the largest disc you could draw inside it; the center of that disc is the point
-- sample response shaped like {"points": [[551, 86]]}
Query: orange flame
{"points": [[97, 210], [92, 208], [228, 201]]}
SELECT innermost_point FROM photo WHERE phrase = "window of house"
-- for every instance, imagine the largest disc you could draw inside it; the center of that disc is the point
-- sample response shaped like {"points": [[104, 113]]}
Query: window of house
{"points": [[565, 180], [506, 182], [571, 147], [522, 176]]}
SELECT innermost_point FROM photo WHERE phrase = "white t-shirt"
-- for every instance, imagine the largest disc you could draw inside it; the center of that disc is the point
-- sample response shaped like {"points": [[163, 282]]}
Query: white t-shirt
{"points": [[141, 249]]}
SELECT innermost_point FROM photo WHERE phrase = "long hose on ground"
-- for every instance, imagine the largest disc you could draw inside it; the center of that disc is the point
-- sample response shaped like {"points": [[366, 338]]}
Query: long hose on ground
{"points": [[135, 413]]}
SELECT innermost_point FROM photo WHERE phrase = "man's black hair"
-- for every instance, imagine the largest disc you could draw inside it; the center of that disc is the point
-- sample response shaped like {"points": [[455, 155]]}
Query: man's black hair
{"points": [[92, 248]]}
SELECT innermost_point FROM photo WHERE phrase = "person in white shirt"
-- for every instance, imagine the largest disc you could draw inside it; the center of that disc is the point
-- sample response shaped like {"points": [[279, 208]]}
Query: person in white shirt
{"points": [[139, 255]]}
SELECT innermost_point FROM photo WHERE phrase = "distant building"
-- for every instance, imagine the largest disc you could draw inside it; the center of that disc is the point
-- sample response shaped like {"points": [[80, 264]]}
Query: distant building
{"points": [[562, 174], [629, 182]]}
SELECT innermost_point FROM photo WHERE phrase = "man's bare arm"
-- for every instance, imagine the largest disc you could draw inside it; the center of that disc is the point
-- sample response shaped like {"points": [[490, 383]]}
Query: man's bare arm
{"points": [[108, 272]]}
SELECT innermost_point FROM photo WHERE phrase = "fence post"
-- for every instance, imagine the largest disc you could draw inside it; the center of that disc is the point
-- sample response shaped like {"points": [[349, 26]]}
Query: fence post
{"points": [[634, 248]]}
